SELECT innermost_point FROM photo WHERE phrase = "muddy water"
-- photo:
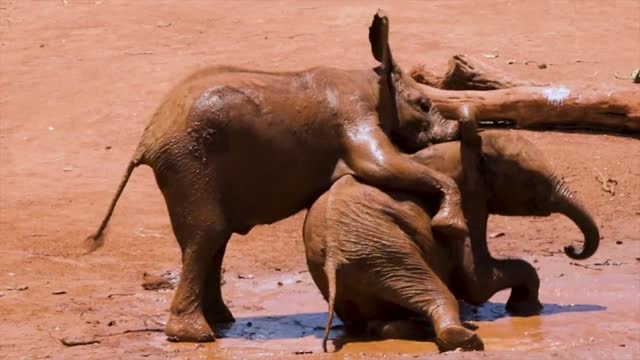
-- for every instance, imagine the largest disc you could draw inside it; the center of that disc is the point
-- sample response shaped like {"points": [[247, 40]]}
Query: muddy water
{"points": [[286, 313]]}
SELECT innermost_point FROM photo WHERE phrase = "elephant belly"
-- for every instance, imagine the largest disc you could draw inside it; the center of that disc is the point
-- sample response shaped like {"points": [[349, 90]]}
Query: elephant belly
{"points": [[270, 152], [266, 186]]}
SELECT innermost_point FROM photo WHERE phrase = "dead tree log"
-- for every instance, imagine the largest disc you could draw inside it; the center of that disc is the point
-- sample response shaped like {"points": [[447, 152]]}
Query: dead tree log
{"points": [[547, 107], [466, 74], [496, 97]]}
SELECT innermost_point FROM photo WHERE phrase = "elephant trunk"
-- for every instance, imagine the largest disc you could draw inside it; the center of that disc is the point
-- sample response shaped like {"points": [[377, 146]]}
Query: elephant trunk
{"points": [[567, 204], [443, 130]]}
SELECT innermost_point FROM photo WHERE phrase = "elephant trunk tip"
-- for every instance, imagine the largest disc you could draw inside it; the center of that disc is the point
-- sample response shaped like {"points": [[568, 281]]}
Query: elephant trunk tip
{"points": [[571, 252]]}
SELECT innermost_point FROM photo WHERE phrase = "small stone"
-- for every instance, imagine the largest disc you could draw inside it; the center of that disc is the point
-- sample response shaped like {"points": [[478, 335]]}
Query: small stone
{"points": [[78, 341], [51, 128], [249, 324], [59, 292], [243, 276], [619, 242], [280, 283], [542, 66], [67, 168], [111, 323], [166, 281], [108, 147], [496, 235]]}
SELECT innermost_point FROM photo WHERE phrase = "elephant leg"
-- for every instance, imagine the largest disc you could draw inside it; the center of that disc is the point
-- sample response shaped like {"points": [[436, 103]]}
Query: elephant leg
{"points": [[201, 230], [524, 282], [483, 276], [494, 275], [421, 291], [187, 321], [215, 310], [489, 276]]}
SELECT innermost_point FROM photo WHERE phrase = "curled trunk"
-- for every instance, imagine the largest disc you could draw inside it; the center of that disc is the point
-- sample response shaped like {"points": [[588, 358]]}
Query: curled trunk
{"points": [[567, 204]]}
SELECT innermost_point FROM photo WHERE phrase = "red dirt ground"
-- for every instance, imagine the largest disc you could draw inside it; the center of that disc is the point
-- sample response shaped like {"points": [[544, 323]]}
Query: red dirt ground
{"points": [[80, 79]]}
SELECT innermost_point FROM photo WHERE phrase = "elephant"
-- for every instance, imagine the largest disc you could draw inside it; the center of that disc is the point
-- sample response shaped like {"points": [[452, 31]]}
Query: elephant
{"points": [[232, 148], [372, 253]]}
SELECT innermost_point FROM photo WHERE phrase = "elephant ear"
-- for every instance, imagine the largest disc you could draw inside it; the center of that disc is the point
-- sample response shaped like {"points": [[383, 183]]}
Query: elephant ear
{"points": [[379, 39]]}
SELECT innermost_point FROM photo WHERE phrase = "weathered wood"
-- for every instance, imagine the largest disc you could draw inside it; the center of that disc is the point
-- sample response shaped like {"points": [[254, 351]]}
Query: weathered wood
{"points": [[591, 107], [498, 97], [465, 73]]}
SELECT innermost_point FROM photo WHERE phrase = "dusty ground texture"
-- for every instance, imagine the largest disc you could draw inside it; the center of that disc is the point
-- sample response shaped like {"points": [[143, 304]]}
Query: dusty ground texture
{"points": [[80, 79]]}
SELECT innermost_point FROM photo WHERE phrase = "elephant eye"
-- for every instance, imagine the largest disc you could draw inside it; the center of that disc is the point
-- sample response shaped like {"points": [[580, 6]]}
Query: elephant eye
{"points": [[424, 105]]}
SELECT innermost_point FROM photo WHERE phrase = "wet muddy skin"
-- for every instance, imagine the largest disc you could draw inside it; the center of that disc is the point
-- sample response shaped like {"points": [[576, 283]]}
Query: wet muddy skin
{"points": [[80, 80]]}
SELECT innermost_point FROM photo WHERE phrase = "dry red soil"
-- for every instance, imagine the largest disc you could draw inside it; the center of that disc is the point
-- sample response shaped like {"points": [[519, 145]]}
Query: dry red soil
{"points": [[80, 79]]}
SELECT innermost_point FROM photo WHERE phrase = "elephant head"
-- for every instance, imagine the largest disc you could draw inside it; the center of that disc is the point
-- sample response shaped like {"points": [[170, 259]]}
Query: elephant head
{"points": [[516, 180], [408, 115], [522, 183]]}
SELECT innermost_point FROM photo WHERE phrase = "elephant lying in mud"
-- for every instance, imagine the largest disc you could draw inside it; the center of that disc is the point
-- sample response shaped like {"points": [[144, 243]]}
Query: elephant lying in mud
{"points": [[232, 148], [373, 256]]}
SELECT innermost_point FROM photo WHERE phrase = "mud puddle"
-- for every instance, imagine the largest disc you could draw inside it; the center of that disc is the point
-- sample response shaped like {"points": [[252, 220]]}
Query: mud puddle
{"points": [[286, 313]]}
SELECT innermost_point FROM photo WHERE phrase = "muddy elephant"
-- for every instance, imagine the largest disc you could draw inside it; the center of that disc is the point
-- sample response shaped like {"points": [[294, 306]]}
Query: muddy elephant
{"points": [[233, 148], [373, 256]]}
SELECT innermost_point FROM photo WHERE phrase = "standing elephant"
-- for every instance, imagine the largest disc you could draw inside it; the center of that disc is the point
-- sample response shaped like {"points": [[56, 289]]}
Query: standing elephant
{"points": [[232, 148], [373, 256]]}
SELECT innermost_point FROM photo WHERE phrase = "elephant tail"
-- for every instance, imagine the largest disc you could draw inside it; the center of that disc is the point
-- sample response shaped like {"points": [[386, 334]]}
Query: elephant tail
{"points": [[568, 205], [96, 240], [330, 268]]}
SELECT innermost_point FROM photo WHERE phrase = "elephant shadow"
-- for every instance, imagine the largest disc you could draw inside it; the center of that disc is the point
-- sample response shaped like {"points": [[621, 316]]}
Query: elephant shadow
{"points": [[491, 311], [295, 326], [291, 326]]}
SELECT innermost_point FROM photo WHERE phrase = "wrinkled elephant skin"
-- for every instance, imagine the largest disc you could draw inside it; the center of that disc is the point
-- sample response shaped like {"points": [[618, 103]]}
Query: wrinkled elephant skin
{"points": [[373, 256]]}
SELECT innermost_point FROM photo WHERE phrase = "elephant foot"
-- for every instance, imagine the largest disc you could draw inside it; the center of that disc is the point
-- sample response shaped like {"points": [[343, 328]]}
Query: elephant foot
{"points": [[450, 224], [191, 327], [219, 314], [524, 307], [454, 337]]}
